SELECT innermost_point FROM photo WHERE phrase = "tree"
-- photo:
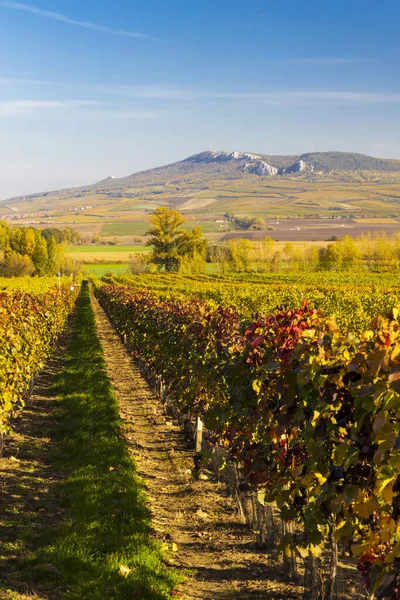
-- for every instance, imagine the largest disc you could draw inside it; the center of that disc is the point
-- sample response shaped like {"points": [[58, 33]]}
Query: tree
{"points": [[40, 257], [28, 242], [28, 252], [4, 235], [240, 251], [170, 244], [53, 262], [16, 265], [138, 262], [193, 244]]}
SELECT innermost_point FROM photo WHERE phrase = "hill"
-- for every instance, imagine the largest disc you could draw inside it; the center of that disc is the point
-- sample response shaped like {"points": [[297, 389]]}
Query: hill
{"points": [[208, 166], [209, 185]]}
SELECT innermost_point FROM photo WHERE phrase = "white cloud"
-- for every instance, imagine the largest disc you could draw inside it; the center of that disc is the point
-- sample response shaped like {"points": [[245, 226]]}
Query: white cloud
{"points": [[64, 19], [275, 97], [21, 107], [86, 109], [172, 93], [123, 114]]}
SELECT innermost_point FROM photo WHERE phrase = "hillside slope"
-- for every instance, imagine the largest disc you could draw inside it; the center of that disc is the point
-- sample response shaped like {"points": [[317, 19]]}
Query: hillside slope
{"points": [[219, 182]]}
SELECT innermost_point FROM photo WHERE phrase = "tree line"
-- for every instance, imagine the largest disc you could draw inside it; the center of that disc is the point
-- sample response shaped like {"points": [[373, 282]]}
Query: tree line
{"points": [[373, 252], [175, 249], [27, 251]]}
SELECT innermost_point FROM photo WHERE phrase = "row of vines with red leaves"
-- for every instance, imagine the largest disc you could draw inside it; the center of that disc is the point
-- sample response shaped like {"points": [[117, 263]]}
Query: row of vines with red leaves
{"points": [[311, 415]]}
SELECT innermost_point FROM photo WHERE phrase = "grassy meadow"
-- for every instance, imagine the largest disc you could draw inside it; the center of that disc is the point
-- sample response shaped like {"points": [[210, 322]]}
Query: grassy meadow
{"points": [[98, 270]]}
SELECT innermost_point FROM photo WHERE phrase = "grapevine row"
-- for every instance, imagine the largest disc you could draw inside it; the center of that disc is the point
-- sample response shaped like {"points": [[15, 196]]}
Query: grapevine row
{"points": [[311, 415], [354, 303], [29, 327]]}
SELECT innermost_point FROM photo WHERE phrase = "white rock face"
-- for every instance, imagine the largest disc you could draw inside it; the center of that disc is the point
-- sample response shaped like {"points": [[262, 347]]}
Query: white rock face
{"points": [[298, 167], [261, 168], [234, 156]]}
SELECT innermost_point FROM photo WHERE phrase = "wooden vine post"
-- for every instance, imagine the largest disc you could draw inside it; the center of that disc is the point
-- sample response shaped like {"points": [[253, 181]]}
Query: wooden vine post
{"points": [[199, 434]]}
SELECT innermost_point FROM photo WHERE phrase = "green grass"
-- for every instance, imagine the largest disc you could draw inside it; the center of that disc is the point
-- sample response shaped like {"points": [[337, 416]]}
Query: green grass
{"points": [[103, 269], [108, 522], [106, 249]]}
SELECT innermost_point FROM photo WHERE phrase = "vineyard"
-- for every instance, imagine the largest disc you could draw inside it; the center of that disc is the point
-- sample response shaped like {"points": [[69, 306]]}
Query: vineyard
{"points": [[289, 385], [354, 298], [33, 314], [308, 411]]}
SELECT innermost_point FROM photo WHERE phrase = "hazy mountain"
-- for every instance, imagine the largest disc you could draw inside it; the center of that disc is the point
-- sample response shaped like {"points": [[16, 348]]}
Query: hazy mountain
{"points": [[208, 169]]}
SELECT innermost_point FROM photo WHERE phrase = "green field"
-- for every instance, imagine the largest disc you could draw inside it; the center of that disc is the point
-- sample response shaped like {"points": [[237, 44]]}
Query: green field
{"points": [[103, 269]]}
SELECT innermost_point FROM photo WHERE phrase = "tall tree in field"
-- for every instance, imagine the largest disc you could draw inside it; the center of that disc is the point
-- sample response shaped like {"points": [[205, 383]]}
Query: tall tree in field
{"points": [[40, 256], [4, 235], [171, 244], [53, 262]]}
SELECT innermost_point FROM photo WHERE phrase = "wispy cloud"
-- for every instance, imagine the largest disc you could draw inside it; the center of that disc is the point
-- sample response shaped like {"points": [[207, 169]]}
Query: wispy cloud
{"points": [[314, 96], [338, 60], [65, 19], [119, 99], [11, 81], [21, 107], [87, 109]]}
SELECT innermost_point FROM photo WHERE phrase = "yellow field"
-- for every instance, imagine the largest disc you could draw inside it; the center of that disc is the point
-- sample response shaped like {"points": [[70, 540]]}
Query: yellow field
{"points": [[382, 220]]}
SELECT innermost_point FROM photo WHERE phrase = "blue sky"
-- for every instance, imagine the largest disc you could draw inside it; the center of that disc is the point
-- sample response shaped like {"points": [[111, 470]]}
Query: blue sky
{"points": [[109, 87]]}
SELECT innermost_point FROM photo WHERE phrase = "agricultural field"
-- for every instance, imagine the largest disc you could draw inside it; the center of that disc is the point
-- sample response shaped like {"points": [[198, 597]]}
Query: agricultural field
{"points": [[304, 432], [100, 269], [353, 298], [309, 206], [286, 383], [109, 254]]}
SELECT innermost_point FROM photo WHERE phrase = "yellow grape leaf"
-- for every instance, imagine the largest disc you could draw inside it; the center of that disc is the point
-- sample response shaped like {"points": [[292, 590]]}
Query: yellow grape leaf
{"points": [[358, 549], [388, 493], [321, 479], [303, 552], [174, 547], [385, 489], [315, 417], [316, 550], [367, 336], [261, 497], [124, 570], [257, 386], [396, 351], [365, 509]]}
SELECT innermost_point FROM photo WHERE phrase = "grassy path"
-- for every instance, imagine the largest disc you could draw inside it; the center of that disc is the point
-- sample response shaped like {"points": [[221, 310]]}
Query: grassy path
{"points": [[84, 528]]}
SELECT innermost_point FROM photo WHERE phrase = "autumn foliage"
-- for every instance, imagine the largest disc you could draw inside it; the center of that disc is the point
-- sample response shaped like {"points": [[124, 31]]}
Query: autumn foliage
{"points": [[29, 327], [310, 414]]}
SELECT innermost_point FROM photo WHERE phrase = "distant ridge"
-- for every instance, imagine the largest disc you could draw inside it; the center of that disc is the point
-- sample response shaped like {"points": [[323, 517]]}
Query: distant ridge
{"points": [[205, 168], [321, 161]]}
